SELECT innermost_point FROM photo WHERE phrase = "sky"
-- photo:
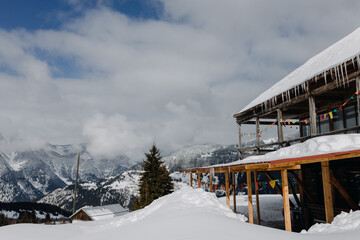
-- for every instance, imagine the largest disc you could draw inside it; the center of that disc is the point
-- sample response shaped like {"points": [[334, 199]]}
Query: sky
{"points": [[122, 75]]}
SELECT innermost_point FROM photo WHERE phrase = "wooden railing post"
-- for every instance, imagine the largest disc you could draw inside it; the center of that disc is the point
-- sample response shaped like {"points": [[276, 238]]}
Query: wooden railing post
{"points": [[279, 127], [257, 199], [199, 180], [211, 180], [251, 215], [227, 188], [234, 191], [328, 202], [191, 179], [285, 190], [240, 153], [257, 135], [312, 113]]}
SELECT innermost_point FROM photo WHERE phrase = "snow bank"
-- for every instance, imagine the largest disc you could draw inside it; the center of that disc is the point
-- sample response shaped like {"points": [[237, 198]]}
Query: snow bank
{"points": [[342, 222], [346, 49], [186, 214]]}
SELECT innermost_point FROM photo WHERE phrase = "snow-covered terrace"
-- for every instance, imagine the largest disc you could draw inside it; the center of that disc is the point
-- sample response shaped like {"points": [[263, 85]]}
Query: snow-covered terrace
{"points": [[316, 150], [333, 147]]}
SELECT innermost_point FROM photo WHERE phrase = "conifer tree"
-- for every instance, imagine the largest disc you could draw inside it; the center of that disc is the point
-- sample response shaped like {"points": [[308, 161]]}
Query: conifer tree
{"points": [[155, 181]]}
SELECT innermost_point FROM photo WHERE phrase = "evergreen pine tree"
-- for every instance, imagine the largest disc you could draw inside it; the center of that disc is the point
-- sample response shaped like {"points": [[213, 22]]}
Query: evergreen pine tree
{"points": [[47, 218], [33, 216], [155, 181]]}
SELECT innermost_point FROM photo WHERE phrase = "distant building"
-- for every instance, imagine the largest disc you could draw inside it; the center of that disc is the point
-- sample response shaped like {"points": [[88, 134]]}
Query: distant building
{"points": [[98, 213]]}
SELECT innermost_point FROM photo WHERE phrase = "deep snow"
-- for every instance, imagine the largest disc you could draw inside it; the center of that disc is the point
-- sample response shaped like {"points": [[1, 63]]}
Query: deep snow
{"points": [[186, 214]]}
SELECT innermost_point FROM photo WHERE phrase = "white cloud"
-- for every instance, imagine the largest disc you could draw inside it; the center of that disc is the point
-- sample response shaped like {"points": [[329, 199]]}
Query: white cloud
{"points": [[176, 81]]}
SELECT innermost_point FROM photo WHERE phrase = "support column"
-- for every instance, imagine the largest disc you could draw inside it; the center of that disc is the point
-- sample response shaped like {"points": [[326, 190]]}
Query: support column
{"points": [[227, 188], [328, 202], [199, 180], [234, 191], [280, 128], [285, 190], [257, 135], [257, 198], [211, 181], [240, 153], [312, 114], [191, 179], [358, 98], [251, 215]]}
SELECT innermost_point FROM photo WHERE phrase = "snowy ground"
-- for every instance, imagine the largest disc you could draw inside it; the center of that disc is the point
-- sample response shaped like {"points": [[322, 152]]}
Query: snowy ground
{"points": [[186, 214], [271, 206]]}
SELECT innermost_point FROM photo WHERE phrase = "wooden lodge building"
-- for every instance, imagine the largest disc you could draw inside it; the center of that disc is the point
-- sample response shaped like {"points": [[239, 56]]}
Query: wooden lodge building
{"points": [[321, 98]]}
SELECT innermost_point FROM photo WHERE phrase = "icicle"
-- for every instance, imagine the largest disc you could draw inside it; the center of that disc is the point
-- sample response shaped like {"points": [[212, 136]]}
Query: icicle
{"points": [[316, 78], [282, 96], [325, 77], [358, 61], [342, 74], [353, 62], [336, 79], [346, 74]]}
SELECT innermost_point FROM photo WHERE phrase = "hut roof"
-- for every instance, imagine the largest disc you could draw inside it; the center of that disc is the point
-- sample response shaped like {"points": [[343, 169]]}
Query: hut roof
{"points": [[102, 212], [342, 51]]}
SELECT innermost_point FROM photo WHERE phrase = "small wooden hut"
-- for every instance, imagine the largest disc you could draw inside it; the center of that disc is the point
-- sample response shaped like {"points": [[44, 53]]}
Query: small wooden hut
{"points": [[100, 212]]}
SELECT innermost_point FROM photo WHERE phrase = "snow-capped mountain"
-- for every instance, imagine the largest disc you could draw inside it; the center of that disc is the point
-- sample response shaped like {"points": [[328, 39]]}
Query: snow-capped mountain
{"points": [[29, 175], [201, 155], [120, 189]]}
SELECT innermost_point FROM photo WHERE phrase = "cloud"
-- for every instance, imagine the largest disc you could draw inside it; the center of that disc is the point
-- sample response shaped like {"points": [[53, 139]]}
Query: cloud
{"points": [[121, 83], [113, 136]]}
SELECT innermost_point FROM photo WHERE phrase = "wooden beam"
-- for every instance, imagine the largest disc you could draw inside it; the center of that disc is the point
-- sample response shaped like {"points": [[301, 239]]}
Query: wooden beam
{"points": [[257, 135], [211, 180], [191, 179], [278, 187], [358, 97], [328, 201], [227, 188], [251, 215], [343, 193], [199, 180], [257, 198], [312, 114], [234, 191], [239, 147], [285, 190], [279, 127], [302, 187]]}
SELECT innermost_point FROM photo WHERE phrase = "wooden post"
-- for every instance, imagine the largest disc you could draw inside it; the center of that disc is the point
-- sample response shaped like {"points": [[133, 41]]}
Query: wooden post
{"points": [[240, 153], [358, 98], [211, 181], [312, 114], [199, 180], [257, 135], [328, 201], [76, 181], [257, 198], [285, 190], [280, 129], [251, 215], [234, 191], [191, 179], [227, 188]]}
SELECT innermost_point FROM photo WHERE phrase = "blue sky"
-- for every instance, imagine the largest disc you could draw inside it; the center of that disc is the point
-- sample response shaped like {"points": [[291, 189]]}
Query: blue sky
{"points": [[136, 72], [51, 14]]}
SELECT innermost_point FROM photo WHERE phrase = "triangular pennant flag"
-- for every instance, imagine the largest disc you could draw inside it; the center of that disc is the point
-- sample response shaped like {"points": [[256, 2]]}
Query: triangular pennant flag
{"points": [[272, 183], [331, 115], [321, 118]]}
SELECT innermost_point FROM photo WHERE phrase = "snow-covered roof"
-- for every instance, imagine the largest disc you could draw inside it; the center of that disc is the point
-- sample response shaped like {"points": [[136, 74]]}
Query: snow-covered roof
{"points": [[342, 51], [103, 212], [313, 147]]}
